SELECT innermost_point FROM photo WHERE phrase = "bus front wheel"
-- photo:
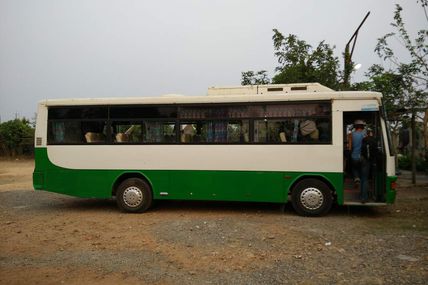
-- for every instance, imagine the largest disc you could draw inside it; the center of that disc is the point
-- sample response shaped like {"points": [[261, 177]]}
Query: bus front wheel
{"points": [[134, 195], [311, 197]]}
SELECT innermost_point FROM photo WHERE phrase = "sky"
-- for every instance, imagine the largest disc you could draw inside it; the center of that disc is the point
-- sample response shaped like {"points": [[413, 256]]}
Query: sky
{"points": [[104, 48]]}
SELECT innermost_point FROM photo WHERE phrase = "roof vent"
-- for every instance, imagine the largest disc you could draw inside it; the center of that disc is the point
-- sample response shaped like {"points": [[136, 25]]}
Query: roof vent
{"points": [[299, 88], [275, 89]]}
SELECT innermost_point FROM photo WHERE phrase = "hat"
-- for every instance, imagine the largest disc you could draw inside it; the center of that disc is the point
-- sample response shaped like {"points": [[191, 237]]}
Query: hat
{"points": [[307, 127], [359, 122]]}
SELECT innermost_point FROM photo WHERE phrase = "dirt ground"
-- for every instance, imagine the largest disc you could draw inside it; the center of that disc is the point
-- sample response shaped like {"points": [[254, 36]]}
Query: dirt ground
{"points": [[48, 238]]}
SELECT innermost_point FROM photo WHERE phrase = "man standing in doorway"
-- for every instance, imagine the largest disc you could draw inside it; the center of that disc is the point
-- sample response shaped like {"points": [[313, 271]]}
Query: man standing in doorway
{"points": [[360, 165]]}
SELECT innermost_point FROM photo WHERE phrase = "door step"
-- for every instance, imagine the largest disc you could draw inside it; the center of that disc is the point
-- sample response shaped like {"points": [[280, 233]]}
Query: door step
{"points": [[358, 203]]}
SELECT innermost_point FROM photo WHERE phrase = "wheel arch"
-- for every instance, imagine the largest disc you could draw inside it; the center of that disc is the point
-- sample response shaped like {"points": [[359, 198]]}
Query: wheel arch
{"points": [[312, 176], [131, 174], [319, 200]]}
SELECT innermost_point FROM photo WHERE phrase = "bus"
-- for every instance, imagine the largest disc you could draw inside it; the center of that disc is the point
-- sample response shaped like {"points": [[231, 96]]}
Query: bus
{"points": [[260, 143]]}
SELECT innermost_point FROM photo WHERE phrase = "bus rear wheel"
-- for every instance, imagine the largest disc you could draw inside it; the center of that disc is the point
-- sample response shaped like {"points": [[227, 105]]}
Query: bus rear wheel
{"points": [[134, 195], [311, 197]]}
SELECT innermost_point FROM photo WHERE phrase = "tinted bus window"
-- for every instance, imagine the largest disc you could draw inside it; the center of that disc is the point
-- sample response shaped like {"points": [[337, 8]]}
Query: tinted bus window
{"points": [[141, 112], [77, 132], [67, 113]]}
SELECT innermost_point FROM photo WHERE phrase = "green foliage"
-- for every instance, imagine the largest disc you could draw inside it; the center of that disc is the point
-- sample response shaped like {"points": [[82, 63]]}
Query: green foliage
{"points": [[408, 80], [405, 163], [13, 134], [300, 62], [404, 84], [254, 78], [413, 74], [390, 84]]}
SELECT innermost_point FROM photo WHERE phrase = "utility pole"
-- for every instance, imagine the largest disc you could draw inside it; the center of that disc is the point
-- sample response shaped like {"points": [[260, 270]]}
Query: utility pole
{"points": [[413, 149], [348, 66]]}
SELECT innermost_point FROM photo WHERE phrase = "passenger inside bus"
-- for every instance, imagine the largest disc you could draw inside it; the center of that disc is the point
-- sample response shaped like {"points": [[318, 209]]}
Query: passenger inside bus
{"points": [[359, 163], [187, 133], [309, 130], [363, 158], [94, 132]]}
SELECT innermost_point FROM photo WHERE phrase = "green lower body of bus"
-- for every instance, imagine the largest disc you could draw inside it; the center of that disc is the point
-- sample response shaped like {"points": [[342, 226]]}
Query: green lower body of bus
{"points": [[224, 185]]}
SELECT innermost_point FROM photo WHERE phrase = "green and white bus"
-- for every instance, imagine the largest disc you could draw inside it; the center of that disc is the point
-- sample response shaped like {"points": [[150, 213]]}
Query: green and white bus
{"points": [[265, 143]]}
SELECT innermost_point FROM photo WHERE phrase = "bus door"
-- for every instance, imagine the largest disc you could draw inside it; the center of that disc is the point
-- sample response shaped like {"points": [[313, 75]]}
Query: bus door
{"points": [[372, 165]]}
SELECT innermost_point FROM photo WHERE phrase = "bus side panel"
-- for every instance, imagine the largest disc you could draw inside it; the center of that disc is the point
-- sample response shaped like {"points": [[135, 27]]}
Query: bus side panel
{"points": [[263, 186], [260, 186], [79, 183], [42, 163]]}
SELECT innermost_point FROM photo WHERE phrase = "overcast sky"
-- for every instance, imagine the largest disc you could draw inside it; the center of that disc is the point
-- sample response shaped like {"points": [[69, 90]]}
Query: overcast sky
{"points": [[105, 48]]}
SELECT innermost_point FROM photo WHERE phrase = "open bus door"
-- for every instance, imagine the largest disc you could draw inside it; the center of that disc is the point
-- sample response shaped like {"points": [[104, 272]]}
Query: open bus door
{"points": [[377, 162]]}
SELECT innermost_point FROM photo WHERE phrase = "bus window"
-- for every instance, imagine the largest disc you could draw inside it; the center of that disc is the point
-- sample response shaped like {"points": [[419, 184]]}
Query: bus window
{"points": [[324, 128], [238, 131], [260, 131], [275, 131], [127, 132], [281, 131], [159, 132], [188, 132], [140, 112], [77, 125], [94, 131], [199, 132], [76, 132], [70, 113], [308, 131], [220, 132]]}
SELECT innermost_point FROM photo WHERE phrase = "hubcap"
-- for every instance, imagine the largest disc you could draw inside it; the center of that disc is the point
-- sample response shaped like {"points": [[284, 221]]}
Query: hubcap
{"points": [[312, 198], [133, 196]]}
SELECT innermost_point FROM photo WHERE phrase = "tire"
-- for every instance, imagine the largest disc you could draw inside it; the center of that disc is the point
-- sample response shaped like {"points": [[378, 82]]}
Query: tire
{"points": [[311, 197], [134, 195]]}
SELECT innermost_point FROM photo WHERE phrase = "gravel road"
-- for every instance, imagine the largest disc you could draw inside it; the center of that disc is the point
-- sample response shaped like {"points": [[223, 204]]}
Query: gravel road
{"points": [[48, 238]]}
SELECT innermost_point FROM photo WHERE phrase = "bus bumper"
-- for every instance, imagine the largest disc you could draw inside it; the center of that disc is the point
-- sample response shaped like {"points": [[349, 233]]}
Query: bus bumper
{"points": [[391, 189], [38, 180]]}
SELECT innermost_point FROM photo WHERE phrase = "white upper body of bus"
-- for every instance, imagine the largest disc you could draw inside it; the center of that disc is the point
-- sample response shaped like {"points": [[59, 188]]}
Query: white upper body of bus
{"points": [[342, 101], [252, 93]]}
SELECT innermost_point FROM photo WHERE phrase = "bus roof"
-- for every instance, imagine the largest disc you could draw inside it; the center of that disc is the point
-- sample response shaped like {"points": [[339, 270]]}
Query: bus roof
{"points": [[230, 95], [268, 89]]}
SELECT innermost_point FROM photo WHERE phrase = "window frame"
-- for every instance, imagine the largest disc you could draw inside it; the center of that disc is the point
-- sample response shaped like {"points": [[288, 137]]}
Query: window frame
{"points": [[178, 121], [107, 125]]}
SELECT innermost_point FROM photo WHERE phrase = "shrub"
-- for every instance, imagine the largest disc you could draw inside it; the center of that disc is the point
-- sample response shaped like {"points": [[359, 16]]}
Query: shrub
{"points": [[13, 134], [405, 163]]}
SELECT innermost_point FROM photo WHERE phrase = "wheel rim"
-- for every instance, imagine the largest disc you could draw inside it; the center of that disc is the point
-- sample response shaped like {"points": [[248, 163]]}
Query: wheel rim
{"points": [[312, 198], [133, 196]]}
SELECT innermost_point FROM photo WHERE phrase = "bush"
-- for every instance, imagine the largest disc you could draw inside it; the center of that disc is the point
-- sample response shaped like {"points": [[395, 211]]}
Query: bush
{"points": [[14, 137], [405, 163]]}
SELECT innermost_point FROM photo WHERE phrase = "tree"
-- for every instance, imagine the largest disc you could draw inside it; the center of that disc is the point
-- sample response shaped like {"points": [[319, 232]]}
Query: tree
{"points": [[300, 62], [391, 85], [254, 78], [12, 135], [413, 74]]}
